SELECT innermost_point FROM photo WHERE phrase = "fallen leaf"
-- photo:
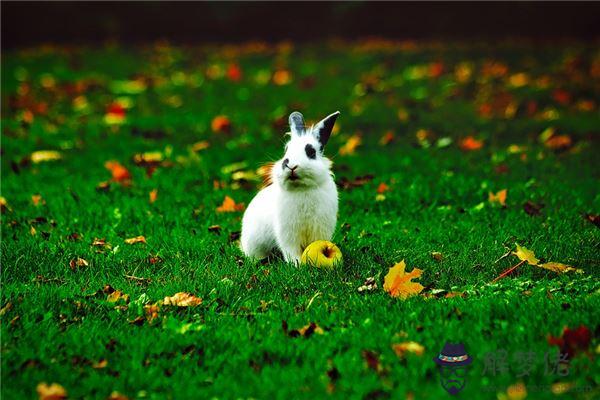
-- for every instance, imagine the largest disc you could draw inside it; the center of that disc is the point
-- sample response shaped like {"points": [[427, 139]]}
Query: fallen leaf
{"points": [[201, 145], [559, 388], [234, 72], [282, 77], [559, 267], [532, 208], [498, 198], [437, 256], [229, 205], [398, 283], [221, 124], [115, 114], [559, 142], [306, 331], [151, 311], [470, 144], [215, 229], [101, 243], [151, 158], [117, 396], [372, 360], [358, 181], [153, 195], [137, 239], [37, 199], [382, 188], [387, 138], [593, 218], [401, 349], [4, 205], [517, 391], [119, 173], [572, 341], [44, 155], [117, 295], [78, 262], [53, 391], [350, 146], [102, 363], [526, 255], [182, 299]]}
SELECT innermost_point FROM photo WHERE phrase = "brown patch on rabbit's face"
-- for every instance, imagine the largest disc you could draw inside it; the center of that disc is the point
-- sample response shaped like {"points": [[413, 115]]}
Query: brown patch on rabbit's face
{"points": [[265, 172]]}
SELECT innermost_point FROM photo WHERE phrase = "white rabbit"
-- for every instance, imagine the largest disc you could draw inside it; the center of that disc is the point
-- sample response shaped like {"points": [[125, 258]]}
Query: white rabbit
{"points": [[301, 204]]}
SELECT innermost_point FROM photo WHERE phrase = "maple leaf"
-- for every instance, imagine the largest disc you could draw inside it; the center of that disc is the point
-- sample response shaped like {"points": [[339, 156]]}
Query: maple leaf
{"points": [[137, 239], [53, 391], [560, 268], [398, 283], [119, 173], [351, 144], [499, 198], [572, 341], [526, 255], [221, 124], [470, 144], [182, 299], [401, 349], [153, 195], [44, 155], [229, 205]]}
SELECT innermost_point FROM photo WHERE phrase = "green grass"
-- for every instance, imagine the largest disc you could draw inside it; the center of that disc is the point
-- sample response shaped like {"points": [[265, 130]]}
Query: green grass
{"points": [[60, 324]]}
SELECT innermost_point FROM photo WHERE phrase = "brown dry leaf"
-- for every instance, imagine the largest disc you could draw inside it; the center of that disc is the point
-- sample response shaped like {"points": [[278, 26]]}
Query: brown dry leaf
{"points": [[117, 295], [45, 155], [53, 391], [359, 181], [560, 268], [119, 173], [401, 349], [526, 255], [101, 243], [153, 195], [398, 283], [229, 205], [498, 198], [182, 299], [593, 218], [351, 144], [470, 144], [137, 239], [78, 263]]}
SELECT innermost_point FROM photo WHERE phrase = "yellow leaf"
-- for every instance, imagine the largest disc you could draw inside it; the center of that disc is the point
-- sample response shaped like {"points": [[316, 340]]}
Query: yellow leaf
{"points": [[51, 392], [182, 299], [44, 155], [37, 199], [201, 145], [229, 205], [560, 268], [116, 296], [499, 198], [526, 255], [117, 396], [408, 347], [517, 391], [350, 147], [4, 204], [398, 283], [137, 239]]}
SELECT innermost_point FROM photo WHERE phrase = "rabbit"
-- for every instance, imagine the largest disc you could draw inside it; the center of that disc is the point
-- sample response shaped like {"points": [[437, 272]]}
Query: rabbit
{"points": [[300, 204]]}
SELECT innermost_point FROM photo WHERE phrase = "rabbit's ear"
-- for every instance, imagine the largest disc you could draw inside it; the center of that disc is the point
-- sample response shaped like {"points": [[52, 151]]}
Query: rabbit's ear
{"points": [[323, 129], [297, 124]]}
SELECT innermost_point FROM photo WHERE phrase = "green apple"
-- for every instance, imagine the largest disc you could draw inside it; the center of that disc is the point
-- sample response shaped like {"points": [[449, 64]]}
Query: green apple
{"points": [[322, 254]]}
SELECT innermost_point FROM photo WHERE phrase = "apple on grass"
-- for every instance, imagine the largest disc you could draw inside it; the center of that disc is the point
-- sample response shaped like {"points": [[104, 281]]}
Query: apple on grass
{"points": [[322, 254]]}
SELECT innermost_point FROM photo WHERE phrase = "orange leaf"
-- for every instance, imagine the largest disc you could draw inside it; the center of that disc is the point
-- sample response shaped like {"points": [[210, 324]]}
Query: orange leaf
{"points": [[37, 199], [499, 197], [470, 144], [387, 138], [350, 147], [221, 123], [153, 195], [398, 283], [559, 142], [229, 205], [182, 299], [408, 347], [382, 188], [137, 239], [119, 173], [51, 392]]}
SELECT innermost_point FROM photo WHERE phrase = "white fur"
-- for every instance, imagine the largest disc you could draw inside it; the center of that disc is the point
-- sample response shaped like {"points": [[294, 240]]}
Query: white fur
{"points": [[290, 214]]}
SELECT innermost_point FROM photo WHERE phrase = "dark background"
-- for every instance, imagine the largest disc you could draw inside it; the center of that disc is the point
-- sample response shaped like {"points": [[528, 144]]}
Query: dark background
{"points": [[187, 22]]}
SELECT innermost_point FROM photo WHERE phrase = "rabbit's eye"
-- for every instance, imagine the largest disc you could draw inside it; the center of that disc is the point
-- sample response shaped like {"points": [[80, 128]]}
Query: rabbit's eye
{"points": [[310, 151]]}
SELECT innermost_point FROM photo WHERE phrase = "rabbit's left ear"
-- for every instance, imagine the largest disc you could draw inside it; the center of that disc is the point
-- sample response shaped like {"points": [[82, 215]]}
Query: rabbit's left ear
{"points": [[322, 130]]}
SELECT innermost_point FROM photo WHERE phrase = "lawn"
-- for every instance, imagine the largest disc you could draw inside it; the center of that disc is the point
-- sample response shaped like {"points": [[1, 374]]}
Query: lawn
{"points": [[105, 144]]}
